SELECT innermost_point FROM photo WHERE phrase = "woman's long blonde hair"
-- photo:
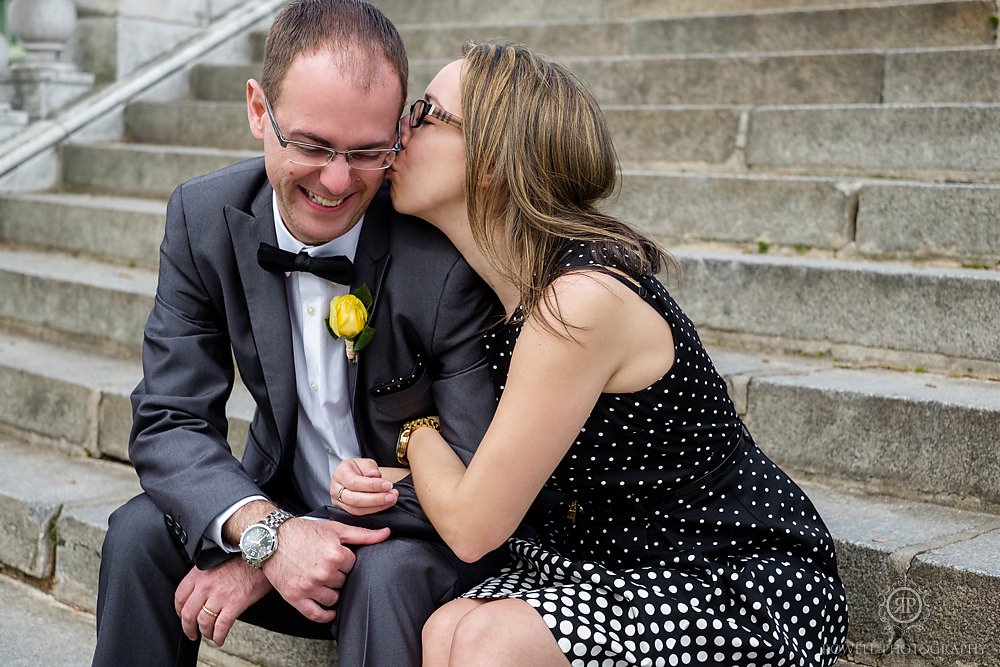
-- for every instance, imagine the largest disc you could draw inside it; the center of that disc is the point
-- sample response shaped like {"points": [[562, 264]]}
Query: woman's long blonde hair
{"points": [[539, 161]]}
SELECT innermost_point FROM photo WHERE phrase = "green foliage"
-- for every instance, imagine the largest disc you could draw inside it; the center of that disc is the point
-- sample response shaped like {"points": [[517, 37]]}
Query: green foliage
{"points": [[763, 247], [365, 297]]}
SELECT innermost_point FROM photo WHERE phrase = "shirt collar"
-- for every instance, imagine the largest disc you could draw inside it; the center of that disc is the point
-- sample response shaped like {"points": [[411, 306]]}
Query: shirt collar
{"points": [[345, 244]]}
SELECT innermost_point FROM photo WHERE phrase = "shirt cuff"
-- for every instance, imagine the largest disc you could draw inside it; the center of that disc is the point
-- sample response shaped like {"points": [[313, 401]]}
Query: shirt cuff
{"points": [[214, 530]]}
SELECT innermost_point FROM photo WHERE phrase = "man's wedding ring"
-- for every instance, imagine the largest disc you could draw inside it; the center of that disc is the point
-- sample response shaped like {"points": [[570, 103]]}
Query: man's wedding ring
{"points": [[213, 614], [340, 493]]}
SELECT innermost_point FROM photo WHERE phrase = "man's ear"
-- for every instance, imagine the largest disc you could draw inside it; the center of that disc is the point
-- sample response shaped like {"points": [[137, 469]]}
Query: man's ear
{"points": [[256, 109]]}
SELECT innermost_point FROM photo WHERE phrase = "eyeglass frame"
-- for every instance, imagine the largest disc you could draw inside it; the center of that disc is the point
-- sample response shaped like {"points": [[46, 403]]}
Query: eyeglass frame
{"points": [[332, 153], [435, 112]]}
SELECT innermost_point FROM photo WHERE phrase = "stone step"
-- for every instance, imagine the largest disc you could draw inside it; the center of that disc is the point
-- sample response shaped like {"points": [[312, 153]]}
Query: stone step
{"points": [[890, 550], [943, 75], [141, 170], [811, 29], [75, 300], [917, 435], [925, 140], [403, 12], [746, 79], [902, 139], [78, 401], [905, 308], [875, 218], [56, 509], [37, 630], [203, 122], [679, 134], [37, 487], [940, 318], [121, 230], [638, 8], [831, 77], [964, 74], [920, 578]]}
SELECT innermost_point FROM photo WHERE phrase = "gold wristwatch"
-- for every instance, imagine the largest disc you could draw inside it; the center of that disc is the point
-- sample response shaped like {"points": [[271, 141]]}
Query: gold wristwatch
{"points": [[403, 443]]}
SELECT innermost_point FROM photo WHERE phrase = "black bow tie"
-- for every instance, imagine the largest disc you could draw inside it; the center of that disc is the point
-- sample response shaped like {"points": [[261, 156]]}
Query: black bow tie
{"points": [[335, 269]]}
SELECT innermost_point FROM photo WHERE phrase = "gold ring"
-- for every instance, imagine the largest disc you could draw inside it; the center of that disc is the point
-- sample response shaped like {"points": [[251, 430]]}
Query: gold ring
{"points": [[213, 614], [341, 492]]}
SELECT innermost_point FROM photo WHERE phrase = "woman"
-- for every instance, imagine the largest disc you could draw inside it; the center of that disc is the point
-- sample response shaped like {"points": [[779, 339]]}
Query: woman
{"points": [[664, 536]]}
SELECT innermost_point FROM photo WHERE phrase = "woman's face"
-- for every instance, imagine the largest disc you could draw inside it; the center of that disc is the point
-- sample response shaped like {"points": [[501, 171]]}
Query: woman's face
{"points": [[428, 177]]}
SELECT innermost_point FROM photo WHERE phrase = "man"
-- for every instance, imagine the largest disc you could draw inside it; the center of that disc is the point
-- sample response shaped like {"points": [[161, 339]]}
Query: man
{"points": [[326, 109]]}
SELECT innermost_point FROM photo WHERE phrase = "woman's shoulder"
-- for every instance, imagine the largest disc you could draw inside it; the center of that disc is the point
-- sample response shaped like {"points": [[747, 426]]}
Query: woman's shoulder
{"points": [[585, 299]]}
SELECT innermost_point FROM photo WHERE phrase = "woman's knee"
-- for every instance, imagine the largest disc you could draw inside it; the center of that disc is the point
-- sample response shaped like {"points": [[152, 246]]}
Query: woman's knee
{"points": [[504, 632], [440, 627]]}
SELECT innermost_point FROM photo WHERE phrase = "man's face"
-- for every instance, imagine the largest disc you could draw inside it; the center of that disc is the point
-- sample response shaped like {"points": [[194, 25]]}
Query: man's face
{"points": [[322, 104]]}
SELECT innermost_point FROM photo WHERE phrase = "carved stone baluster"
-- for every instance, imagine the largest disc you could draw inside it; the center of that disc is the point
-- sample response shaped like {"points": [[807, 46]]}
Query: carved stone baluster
{"points": [[10, 121], [42, 84]]}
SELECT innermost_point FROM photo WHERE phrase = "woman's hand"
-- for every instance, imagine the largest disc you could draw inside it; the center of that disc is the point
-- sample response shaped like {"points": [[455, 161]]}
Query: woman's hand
{"points": [[360, 487]]}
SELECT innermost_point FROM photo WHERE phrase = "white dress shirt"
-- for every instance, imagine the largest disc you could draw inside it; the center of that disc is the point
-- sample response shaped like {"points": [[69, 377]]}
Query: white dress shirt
{"points": [[325, 433]]}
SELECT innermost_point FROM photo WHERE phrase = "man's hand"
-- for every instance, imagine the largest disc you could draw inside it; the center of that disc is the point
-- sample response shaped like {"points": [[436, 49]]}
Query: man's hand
{"points": [[311, 563], [226, 591], [359, 487]]}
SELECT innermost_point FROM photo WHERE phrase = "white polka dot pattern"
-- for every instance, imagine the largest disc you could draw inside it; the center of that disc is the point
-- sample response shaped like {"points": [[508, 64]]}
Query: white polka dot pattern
{"points": [[674, 540]]}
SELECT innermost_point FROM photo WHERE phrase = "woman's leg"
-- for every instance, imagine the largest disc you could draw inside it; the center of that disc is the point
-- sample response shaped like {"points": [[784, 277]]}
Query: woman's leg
{"points": [[439, 630], [504, 632]]}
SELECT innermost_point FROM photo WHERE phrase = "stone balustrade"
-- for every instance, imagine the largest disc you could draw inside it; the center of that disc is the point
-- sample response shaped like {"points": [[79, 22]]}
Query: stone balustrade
{"points": [[66, 48], [42, 82]]}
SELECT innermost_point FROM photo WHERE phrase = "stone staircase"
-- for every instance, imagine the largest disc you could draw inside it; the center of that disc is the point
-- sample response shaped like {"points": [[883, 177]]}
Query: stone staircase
{"points": [[826, 171]]}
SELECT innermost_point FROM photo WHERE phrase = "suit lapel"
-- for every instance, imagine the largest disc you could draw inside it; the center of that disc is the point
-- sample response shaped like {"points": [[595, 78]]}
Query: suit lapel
{"points": [[267, 305], [371, 262]]}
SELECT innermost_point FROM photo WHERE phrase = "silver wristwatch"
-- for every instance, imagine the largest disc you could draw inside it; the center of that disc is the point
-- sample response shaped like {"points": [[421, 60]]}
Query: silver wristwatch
{"points": [[260, 540]]}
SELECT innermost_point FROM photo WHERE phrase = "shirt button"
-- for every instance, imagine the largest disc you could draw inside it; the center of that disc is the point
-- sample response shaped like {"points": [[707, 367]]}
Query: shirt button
{"points": [[314, 386], [311, 310]]}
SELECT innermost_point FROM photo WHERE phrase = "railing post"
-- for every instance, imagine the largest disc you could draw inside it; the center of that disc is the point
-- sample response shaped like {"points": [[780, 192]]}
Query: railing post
{"points": [[10, 121], [42, 84]]}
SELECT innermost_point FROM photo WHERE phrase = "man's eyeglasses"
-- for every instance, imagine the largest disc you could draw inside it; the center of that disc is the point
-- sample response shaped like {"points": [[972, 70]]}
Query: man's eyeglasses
{"points": [[421, 109], [311, 155]]}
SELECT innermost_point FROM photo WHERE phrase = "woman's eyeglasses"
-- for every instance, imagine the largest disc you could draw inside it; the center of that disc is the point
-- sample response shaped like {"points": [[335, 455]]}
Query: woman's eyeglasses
{"points": [[421, 109]]}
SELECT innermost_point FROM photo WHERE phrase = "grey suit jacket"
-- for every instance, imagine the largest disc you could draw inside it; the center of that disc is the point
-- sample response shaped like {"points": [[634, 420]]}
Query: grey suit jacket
{"points": [[214, 305]]}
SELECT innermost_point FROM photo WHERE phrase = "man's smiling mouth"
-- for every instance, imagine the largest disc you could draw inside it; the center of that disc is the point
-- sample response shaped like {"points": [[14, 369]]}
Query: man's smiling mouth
{"points": [[323, 201]]}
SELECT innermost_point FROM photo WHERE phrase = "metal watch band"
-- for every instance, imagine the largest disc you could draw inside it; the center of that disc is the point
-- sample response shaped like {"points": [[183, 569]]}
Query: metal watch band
{"points": [[276, 518]]}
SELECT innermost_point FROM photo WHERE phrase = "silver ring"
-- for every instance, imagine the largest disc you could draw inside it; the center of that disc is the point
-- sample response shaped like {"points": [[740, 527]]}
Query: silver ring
{"points": [[340, 493]]}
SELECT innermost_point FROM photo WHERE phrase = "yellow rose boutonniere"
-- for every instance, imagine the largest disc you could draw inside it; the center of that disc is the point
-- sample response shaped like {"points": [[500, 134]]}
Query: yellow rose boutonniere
{"points": [[349, 320]]}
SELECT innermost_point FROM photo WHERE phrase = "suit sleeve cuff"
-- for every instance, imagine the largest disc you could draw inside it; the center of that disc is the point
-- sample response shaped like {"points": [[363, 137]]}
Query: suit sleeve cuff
{"points": [[214, 531]]}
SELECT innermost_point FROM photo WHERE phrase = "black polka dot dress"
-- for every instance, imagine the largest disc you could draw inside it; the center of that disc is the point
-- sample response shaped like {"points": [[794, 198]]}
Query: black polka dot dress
{"points": [[665, 536]]}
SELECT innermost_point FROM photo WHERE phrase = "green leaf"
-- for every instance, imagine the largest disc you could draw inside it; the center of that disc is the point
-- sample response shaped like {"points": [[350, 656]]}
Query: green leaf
{"points": [[364, 296], [364, 338]]}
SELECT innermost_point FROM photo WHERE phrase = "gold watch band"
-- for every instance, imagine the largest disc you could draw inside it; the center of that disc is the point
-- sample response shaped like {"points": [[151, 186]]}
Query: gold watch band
{"points": [[403, 443]]}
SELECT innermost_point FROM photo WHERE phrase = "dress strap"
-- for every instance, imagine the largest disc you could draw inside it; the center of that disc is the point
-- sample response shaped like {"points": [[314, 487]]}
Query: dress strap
{"points": [[627, 281]]}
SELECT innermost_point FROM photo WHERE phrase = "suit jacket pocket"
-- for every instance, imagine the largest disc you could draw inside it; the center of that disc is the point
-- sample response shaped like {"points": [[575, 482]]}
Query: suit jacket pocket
{"points": [[405, 396]]}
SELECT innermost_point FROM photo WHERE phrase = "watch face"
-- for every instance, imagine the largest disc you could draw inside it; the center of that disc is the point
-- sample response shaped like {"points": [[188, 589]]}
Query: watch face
{"points": [[257, 542]]}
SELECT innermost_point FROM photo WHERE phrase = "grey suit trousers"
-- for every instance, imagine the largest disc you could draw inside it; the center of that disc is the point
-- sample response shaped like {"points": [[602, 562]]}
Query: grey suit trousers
{"points": [[393, 588]]}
